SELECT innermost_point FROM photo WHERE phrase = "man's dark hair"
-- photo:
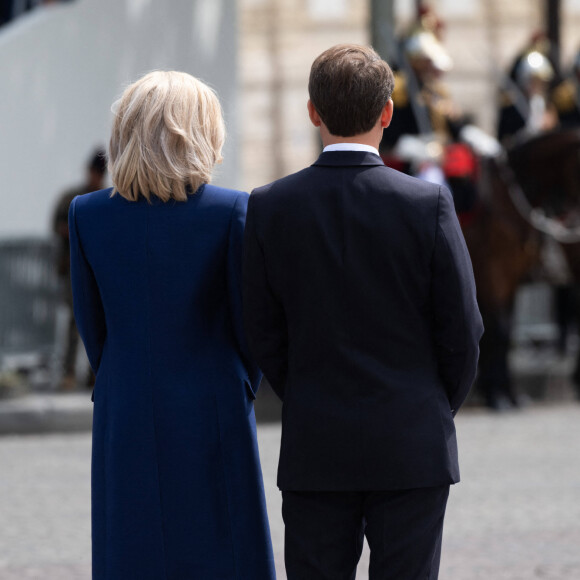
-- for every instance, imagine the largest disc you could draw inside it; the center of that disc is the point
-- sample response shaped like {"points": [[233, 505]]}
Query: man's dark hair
{"points": [[349, 86], [98, 162]]}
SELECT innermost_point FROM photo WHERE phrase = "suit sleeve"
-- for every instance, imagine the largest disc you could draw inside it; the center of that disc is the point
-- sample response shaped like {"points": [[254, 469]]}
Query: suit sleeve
{"points": [[457, 322], [88, 308], [235, 244], [264, 316]]}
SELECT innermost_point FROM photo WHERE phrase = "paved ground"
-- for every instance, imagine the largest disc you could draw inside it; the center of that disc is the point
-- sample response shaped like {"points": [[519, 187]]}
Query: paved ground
{"points": [[515, 516]]}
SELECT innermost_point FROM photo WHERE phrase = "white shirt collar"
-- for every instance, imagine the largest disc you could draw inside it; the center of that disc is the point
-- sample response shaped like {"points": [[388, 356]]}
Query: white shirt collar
{"points": [[351, 147]]}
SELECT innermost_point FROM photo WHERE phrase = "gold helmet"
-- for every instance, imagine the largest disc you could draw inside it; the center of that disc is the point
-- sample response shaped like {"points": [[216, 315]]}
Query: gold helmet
{"points": [[534, 65], [423, 45]]}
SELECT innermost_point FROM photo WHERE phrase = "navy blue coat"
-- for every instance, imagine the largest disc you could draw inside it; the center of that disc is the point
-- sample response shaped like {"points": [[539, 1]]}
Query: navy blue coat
{"points": [[359, 304], [177, 490]]}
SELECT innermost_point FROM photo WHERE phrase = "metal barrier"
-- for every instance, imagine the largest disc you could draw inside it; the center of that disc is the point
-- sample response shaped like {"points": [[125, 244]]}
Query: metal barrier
{"points": [[534, 318], [31, 308]]}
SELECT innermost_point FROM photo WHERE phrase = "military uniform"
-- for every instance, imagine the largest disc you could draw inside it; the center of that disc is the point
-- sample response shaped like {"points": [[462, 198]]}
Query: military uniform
{"points": [[566, 99], [526, 103], [435, 98], [60, 228], [510, 119]]}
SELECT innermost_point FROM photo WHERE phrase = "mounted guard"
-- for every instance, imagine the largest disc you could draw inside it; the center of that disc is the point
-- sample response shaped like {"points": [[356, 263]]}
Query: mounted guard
{"points": [[429, 136]]}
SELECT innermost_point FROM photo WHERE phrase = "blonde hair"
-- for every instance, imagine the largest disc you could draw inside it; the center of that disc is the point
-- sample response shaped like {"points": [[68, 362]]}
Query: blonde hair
{"points": [[167, 135]]}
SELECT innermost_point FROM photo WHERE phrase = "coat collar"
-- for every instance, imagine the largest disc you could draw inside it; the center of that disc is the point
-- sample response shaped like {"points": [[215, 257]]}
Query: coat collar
{"points": [[347, 158]]}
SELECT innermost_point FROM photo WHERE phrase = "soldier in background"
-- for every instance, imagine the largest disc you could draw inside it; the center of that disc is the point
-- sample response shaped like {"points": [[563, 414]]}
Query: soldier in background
{"points": [[95, 180], [526, 108], [422, 102], [425, 110], [566, 97], [530, 107]]}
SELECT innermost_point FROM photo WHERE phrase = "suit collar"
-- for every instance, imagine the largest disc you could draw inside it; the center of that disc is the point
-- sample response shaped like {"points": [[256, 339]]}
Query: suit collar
{"points": [[347, 158]]}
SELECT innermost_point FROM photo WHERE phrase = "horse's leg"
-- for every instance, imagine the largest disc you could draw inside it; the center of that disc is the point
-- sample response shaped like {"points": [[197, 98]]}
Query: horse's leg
{"points": [[572, 253], [494, 378], [565, 311], [506, 384], [576, 317], [489, 369]]}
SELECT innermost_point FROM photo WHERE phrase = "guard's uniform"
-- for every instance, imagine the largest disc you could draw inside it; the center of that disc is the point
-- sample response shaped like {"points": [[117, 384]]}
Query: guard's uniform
{"points": [[435, 98], [510, 119], [566, 99]]}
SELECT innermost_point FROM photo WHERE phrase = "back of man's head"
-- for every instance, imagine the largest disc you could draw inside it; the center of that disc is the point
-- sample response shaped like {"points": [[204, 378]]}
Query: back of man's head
{"points": [[349, 86], [98, 162]]}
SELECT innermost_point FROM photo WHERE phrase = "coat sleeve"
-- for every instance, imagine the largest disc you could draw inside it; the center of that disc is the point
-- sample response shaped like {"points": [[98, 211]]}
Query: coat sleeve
{"points": [[235, 245], [457, 322], [264, 316], [87, 305]]}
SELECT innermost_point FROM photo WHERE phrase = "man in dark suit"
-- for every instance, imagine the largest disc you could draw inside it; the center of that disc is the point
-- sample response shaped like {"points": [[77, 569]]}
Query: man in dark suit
{"points": [[360, 308]]}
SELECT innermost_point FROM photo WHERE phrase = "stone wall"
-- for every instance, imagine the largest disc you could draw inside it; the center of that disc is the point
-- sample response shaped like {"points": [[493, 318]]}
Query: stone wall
{"points": [[279, 40]]}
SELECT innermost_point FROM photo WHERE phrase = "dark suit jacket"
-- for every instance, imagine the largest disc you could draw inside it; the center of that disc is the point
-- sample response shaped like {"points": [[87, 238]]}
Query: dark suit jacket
{"points": [[359, 305]]}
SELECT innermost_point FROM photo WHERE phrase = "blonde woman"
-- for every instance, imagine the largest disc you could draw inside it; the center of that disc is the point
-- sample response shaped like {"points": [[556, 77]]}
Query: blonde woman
{"points": [[177, 491]]}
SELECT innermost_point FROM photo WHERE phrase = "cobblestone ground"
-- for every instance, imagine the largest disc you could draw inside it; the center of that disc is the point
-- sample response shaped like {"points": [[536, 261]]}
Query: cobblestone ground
{"points": [[515, 516]]}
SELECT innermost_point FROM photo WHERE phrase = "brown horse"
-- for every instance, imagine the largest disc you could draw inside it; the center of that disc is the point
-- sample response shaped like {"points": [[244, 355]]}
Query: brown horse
{"points": [[504, 247], [548, 169], [505, 238]]}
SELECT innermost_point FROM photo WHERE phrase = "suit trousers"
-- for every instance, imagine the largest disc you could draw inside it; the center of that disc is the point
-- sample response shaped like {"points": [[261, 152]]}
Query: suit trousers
{"points": [[324, 533]]}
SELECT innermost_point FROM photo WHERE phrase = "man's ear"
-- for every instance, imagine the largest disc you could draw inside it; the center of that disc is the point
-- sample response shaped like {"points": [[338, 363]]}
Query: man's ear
{"points": [[313, 114], [387, 114]]}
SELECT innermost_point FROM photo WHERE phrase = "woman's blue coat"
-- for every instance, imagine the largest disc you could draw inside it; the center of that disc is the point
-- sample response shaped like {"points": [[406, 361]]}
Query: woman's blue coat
{"points": [[177, 490]]}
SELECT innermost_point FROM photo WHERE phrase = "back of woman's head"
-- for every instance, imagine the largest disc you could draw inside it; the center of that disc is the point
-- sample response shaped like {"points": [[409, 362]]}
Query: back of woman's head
{"points": [[168, 133]]}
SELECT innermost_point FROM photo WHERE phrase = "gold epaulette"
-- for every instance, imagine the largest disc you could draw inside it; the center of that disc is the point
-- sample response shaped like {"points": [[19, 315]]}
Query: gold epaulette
{"points": [[441, 90], [400, 94], [564, 96]]}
